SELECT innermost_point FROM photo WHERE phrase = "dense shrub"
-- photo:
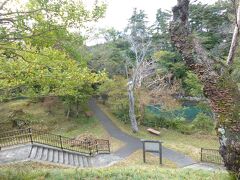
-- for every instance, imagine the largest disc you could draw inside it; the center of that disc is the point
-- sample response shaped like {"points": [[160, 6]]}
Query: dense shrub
{"points": [[186, 128], [203, 122], [178, 123], [121, 112]]}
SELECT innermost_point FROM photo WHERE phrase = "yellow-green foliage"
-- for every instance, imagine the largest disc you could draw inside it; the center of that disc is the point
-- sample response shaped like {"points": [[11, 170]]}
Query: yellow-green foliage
{"points": [[117, 98], [46, 72]]}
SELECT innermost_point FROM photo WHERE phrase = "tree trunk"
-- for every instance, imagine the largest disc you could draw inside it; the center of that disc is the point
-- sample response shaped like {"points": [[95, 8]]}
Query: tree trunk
{"points": [[219, 88], [132, 108], [68, 111], [77, 108], [141, 106], [234, 39]]}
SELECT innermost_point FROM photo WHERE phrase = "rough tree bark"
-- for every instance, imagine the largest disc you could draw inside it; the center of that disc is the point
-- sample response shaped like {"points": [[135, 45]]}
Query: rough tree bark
{"points": [[132, 107], [219, 87]]}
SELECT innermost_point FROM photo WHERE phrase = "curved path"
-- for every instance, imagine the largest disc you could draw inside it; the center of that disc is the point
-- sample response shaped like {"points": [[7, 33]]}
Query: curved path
{"points": [[132, 143]]}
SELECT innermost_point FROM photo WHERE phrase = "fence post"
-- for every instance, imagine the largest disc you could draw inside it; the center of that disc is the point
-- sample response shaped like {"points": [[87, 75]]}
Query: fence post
{"points": [[60, 137], [144, 152], [201, 154], [30, 132], [160, 152]]}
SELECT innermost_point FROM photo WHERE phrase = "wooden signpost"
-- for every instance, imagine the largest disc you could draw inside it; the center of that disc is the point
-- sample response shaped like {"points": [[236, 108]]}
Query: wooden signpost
{"points": [[153, 147]]}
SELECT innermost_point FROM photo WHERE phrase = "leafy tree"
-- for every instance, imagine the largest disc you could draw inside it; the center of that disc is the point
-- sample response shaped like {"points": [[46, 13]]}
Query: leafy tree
{"points": [[170, 63], [39, 18], [41, 23], [110, 57], [193, 85], [113, 91], [48, 72], [213, 23], [111, 35], [40, 56], [160, 34]]}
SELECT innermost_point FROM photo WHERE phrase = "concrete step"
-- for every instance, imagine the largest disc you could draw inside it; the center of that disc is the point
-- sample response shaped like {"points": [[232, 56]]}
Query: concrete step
{"points": [[65, 158], [50, 155], [54, 155], [33, 152], [80, 160], [61, 158], [71, 162], [44, 154], [89, 161], [85, 162], [39, 153], [75, 159]]}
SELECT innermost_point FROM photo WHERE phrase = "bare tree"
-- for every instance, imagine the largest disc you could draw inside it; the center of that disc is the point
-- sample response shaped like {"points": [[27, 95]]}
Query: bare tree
{"points": [[137, 69], [162, 91], [219, 86], [140, 69]]}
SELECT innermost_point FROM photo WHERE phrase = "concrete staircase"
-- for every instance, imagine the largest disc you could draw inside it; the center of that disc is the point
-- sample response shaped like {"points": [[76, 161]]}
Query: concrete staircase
{"points": [[55, 155]]}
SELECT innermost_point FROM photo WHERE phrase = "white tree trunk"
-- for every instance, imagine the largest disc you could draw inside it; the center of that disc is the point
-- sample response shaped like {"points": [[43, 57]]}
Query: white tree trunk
{"points": [[234, 43], [132, 108]]}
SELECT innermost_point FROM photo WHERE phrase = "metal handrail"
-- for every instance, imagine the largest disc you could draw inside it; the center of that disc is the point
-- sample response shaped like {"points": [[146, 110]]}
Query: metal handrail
{"points": [[211, 156], [30, 135]]}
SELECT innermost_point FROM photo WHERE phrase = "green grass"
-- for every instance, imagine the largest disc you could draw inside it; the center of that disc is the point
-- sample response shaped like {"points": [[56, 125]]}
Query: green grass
{"points": [[26, 171], [188, 144], [136, 160]]}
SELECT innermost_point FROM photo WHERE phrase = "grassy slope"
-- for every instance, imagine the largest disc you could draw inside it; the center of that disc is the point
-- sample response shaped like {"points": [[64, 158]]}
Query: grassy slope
{"points": [[35, 171], [188, 144], [57, 123]]}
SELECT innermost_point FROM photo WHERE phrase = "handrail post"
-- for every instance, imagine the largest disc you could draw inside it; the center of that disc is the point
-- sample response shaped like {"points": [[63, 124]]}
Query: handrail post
{"points": [[89, 148], [30, 132], [96, 145], [108, 146], [60, 137], [201, 154]]}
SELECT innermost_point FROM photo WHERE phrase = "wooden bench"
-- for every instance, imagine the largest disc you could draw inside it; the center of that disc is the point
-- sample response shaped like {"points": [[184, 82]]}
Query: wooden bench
{"points": [[153, 131]]}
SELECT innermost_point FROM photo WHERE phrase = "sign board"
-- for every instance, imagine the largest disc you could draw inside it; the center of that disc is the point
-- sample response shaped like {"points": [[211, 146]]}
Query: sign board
{"points": [[152, 146]]}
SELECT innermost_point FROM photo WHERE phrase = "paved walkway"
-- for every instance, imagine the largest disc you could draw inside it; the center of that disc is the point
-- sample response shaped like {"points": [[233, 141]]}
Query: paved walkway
{"points": [[132, 143]]}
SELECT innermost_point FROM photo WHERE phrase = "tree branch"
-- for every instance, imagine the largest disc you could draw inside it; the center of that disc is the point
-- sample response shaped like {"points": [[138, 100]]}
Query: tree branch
{"points": [[3, 4], [22, 12]]}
